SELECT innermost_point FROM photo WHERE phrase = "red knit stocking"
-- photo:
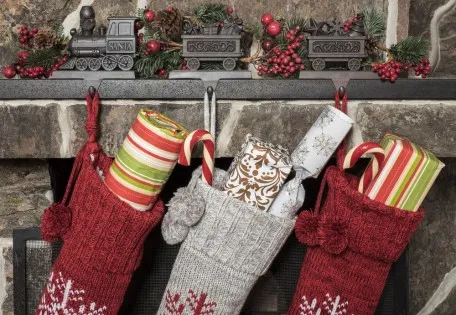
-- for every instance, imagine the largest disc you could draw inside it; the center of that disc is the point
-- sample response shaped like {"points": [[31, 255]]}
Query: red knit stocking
{"points": [[103, 237], [352, 241]]}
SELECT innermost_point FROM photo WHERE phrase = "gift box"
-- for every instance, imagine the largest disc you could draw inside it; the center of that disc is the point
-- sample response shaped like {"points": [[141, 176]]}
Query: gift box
{"points": [[258, 173], [146, 159], [406, 174]]}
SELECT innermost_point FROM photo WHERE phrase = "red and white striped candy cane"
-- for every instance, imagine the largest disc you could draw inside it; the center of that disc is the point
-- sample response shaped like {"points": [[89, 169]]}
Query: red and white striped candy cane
{"points": [[208, 152], [378, 155]]}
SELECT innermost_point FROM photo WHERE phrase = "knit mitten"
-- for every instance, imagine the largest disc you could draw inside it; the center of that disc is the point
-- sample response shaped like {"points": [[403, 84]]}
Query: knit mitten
{"points": [[103, 242], [352, 241], [226, 249]]}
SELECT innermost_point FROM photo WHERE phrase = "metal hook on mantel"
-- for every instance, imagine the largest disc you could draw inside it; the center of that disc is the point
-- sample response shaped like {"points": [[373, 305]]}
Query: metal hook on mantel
{"points": [[92, 91], [341, 92]]}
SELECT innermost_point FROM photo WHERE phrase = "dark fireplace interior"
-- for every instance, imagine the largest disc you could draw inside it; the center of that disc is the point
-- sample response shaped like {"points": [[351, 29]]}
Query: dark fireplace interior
{"points": [[272, 294]]}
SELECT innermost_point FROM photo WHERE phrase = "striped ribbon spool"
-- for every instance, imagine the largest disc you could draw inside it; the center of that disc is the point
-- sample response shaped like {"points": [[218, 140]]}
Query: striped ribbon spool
{"points": [[208, 152], [378, 155]]}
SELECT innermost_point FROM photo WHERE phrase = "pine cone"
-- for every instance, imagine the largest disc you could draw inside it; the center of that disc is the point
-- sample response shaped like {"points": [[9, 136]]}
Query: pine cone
{"points": [[170, 22], [370, 46], [45, 38]]}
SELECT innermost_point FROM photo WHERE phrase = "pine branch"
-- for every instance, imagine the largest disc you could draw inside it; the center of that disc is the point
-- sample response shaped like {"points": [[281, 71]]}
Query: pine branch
{"points": [[410, 50], [45, 58], [147, 66], [374, 24], [296, 21], [211, 13], [256, 29]]}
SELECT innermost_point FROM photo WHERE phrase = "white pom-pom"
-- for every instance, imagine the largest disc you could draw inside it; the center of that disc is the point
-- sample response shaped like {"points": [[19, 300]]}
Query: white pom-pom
{"points": [[173, 232], [187, 207]]}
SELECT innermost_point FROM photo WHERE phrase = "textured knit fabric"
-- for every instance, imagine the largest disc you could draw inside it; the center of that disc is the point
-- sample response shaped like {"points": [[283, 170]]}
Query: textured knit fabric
{"points": [[223, 255], [103, 239], [352, 241]]}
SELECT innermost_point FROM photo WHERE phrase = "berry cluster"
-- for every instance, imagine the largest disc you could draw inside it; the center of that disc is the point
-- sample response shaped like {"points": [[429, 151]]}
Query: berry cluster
{"points": [[423, 68], [37, 72], [184, 65], [162, 73], [26, 35], [284, 61], [390, 70], [349, 24]]}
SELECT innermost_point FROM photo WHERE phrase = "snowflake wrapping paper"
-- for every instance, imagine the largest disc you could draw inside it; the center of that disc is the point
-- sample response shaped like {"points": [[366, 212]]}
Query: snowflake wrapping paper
{"points": [[258, 172], [310, 157]]}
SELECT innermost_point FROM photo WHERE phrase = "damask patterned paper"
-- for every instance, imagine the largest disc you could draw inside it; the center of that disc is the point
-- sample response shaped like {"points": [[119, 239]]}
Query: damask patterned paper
{"points": [[258, 173]]}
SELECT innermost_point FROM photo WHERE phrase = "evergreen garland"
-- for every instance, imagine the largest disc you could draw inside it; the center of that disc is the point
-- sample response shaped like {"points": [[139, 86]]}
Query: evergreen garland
{"points": [[211, 13], [374, 24]]}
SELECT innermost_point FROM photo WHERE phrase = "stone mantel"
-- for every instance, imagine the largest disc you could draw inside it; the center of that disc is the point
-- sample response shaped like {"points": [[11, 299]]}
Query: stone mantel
{"points": [[45, 118]]}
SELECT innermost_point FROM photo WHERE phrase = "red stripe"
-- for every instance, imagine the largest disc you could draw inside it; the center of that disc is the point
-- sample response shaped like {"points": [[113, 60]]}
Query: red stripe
{"points": [[154, 138], [126, 193], [395, 173], [147, 151], [136, 179], [387, 157]]}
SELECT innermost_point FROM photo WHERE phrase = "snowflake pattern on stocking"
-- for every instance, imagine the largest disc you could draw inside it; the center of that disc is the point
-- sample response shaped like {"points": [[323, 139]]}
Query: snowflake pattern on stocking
{"points": [[61, 297], [194, 303], [327, 307], [325, 119], [324, 144]]}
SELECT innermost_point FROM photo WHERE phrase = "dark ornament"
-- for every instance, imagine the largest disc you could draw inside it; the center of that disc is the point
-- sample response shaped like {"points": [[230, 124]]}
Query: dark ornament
{"points": [[267, 45], [357, 27]]}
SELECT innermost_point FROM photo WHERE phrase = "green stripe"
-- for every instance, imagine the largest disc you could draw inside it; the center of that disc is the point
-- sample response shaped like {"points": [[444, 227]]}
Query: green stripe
{"points": [[140, 169], [408, 177], [421, 182], [133, 182]]}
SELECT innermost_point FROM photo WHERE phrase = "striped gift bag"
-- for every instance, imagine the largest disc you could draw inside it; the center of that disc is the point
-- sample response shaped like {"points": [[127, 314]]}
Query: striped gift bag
{"points": [[146, 159]]}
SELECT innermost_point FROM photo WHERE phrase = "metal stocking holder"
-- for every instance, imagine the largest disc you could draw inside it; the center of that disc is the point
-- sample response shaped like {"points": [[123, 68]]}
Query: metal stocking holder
{"points": [[210, 80]]}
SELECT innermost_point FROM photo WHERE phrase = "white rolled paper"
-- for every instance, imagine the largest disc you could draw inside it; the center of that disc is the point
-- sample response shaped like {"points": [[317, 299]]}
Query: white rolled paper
{"points": [[310, 157]]}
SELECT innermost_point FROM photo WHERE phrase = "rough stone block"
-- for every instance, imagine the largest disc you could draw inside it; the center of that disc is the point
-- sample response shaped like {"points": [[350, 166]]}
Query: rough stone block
{"points": [[23, 186], [429, 124], [29, 131], [6, 295]]}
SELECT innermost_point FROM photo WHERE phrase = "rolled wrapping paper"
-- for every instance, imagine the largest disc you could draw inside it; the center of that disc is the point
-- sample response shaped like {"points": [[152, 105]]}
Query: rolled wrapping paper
{"points": [[146, 159], [310, 157], [406, 175], [258, 173]]}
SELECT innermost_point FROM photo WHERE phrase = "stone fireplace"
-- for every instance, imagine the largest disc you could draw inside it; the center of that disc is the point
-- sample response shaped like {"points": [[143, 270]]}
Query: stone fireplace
{"points": [[43, 128]]}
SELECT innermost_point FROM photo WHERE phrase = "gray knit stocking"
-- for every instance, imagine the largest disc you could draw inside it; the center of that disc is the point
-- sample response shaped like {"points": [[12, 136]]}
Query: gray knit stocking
{"points": [[223, 254]]}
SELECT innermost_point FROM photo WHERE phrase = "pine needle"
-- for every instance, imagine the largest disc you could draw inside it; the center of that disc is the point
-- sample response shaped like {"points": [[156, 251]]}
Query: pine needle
{"points": [[147, 66], [410, 50], [374, 24], [256, 29], [211, 13]]}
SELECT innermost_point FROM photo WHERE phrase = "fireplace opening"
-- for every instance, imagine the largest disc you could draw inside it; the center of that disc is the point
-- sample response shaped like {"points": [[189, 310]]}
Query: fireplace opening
{"points": [[271, 295]]}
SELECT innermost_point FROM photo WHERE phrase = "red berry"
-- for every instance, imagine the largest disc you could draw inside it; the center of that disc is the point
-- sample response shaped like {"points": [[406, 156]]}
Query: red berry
{"points": [[292, 69], [417, 68], [355, 19], [345, 29], [297, 28], [260, 73], [267, 18], [383, 77], [301, 67], [34, 30], [292, 32], [387, 74], [287, 75], [427, 69], [170, 9], [153, 46], [229, 10], [9, 72], [298, 60], [424, 75], [274, 28], [22, 40]]}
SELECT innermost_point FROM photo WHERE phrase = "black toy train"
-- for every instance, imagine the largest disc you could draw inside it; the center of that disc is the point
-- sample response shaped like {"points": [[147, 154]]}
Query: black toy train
{"points": [[113, 47]]}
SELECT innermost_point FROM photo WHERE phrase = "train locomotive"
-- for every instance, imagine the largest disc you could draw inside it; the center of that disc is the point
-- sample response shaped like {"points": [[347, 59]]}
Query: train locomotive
{"points": [[113, 47]]}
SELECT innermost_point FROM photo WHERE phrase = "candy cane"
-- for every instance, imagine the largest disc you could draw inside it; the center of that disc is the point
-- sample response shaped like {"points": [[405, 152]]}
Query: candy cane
{"points": [[208, 152], [378, 155]]}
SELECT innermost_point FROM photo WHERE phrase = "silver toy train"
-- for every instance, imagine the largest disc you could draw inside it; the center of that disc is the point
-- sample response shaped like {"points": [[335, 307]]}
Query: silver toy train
{"points": [[114, 47]]}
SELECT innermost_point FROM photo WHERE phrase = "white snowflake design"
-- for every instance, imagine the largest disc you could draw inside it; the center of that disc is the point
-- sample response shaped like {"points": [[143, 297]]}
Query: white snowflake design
{"points": [[325, 119], [300, 154], [62, 298], [328, 307], [324, 144]]}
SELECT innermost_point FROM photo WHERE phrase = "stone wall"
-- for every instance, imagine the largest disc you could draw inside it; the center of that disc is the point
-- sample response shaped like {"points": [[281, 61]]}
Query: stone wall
{"points": [[399, 13]]}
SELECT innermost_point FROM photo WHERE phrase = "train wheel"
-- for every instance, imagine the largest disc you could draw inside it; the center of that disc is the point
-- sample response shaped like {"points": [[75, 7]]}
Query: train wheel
{"points": [[125, 62], [94, 64], [109, 62], [354, 64], [229, 64], [318, 64], [81, 64], [193, 64]]}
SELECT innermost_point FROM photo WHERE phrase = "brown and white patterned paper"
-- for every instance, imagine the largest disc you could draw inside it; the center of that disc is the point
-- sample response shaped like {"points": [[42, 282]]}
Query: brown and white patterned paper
{"points": [[258, 173]]}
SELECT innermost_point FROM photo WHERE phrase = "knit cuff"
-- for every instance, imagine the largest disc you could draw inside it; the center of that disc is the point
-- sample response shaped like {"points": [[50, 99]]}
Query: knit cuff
{"points": [[236, 234], [349, 219]]}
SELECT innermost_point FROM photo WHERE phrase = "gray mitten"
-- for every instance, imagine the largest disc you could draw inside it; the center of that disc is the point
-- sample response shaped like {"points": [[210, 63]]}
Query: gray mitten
{"points": [[223, 254]]}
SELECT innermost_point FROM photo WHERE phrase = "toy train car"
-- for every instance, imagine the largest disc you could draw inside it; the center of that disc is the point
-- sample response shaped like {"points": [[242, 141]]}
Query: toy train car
{"points": [[111, 48], [350, 49], [212, 47]]}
